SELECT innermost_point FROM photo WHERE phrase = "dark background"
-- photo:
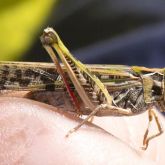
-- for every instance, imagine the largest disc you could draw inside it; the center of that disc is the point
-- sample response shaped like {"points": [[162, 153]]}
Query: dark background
{"points": [[130, 32]]}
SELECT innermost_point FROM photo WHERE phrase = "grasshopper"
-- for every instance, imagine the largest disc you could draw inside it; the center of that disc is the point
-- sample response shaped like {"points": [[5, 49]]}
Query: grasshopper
{"points": [[40, 78], [143, 90], [125, 85]]}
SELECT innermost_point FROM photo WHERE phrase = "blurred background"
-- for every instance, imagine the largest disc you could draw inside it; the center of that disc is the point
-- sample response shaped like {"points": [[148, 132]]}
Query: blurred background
{"points": [[130, 32]]}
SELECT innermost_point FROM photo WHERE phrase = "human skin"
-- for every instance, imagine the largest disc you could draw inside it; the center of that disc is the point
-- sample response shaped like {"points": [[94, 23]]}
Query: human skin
{"points": [[34, 133]]}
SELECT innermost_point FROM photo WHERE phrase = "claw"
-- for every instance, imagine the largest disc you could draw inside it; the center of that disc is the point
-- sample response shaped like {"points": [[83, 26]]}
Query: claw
{"points": [[144, 147]]}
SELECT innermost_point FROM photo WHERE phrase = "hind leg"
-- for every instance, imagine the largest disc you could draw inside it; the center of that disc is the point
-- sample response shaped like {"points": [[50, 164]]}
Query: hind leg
{"points": [[146, 139]]}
